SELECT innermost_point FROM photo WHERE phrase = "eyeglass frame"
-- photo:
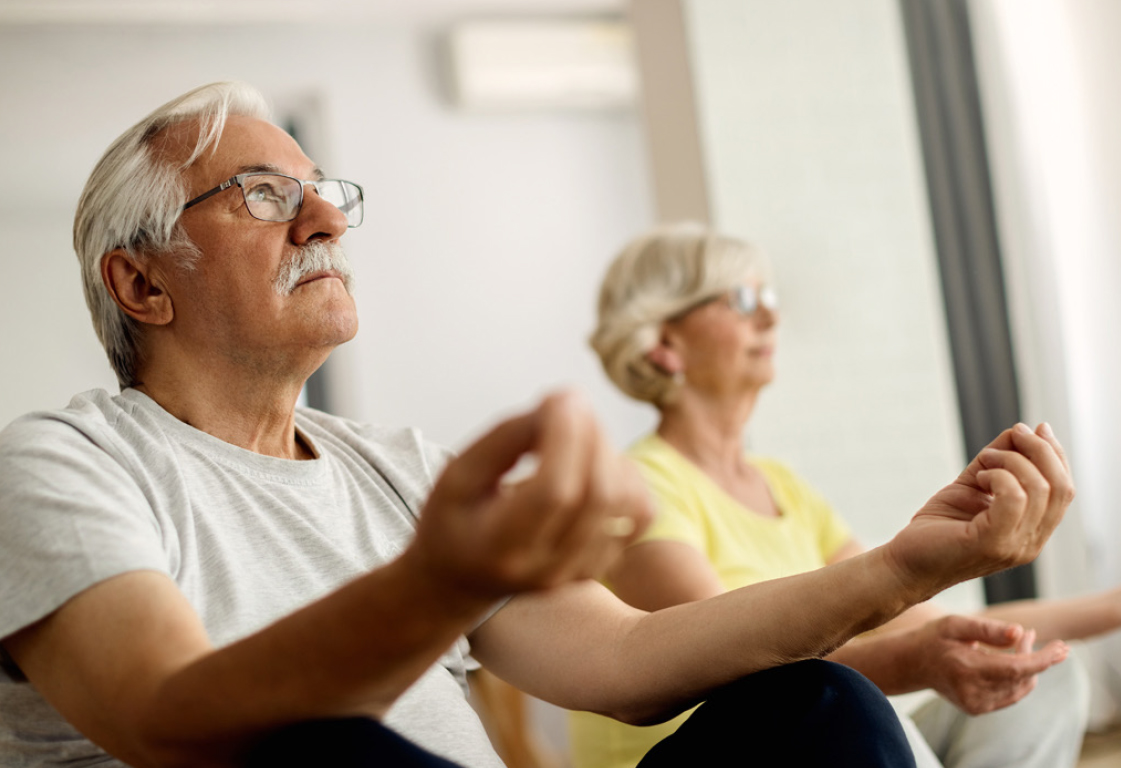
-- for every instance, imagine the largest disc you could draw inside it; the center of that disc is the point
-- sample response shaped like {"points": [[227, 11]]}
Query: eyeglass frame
{"points": [[239, 179], [762, 293]]}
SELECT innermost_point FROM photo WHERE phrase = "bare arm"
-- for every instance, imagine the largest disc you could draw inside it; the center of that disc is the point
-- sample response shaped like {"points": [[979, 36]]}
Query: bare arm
{"points": [[978, 663], [129, 662], [921, 648], [1069, 619], [582, 648], [589, 652]]}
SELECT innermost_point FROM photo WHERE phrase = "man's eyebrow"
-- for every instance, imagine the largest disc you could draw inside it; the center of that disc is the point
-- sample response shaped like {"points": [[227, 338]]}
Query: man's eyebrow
{"points": [[316, 173], [259, 168]]}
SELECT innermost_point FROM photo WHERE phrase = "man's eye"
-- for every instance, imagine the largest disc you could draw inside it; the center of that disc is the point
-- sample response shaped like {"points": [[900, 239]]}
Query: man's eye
{"points": [[263, 192]]}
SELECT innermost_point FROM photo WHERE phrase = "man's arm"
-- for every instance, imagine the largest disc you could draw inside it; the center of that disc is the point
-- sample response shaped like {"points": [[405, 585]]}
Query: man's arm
{"points": [[129, 663], [582, 649], [921, 648], [924, 647]]}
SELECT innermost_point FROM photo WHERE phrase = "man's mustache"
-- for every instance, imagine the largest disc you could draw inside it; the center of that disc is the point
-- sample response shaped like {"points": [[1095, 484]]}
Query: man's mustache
{"points": [[316, 256]]}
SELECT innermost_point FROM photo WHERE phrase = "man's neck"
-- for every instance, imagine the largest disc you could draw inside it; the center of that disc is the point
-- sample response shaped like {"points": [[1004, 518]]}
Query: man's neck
{"points": [[243, 410]]}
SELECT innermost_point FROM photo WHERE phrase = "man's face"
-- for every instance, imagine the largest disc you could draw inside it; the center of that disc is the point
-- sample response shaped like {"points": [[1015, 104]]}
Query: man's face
{"points": [[227, 306]]}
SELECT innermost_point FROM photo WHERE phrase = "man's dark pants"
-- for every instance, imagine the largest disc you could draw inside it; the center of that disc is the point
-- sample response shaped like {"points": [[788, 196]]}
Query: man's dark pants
{"points": [[813, 713]]}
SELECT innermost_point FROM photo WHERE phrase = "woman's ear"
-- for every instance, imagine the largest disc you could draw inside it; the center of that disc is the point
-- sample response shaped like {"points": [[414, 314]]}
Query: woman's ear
{"points": [[665, 357], [135, 287]]}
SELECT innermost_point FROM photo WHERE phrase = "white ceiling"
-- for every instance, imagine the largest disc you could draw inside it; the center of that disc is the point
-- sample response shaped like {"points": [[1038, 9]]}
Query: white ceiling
{"points": [[255, 11]]}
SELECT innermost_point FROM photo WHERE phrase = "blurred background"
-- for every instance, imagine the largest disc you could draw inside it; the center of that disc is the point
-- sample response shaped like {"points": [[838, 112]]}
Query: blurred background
{"points": [[935, 181]]}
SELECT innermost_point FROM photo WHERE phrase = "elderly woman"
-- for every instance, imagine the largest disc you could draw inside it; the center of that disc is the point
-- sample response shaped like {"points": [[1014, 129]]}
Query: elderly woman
{"points": [[687, 322]]}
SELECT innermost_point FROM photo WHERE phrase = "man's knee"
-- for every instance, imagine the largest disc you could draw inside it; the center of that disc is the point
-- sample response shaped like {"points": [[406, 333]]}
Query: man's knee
{"points": [[812, 712], [353, 742], [808, 687]]}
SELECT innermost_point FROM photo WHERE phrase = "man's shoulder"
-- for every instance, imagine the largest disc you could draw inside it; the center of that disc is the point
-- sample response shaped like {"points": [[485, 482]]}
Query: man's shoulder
{"points": [[88, 414], [95, 433]]}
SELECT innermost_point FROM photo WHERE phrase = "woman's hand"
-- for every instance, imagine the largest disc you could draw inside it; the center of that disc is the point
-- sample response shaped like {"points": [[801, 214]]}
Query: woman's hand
{"points": [[980, 665]]}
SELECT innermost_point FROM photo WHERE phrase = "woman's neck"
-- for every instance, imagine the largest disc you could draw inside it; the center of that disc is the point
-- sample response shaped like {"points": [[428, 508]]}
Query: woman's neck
{"points": [[706, 431]]}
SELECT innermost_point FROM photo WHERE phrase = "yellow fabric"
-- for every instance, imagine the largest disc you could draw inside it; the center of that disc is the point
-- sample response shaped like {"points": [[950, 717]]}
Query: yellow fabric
{"points": [[742, 546]]}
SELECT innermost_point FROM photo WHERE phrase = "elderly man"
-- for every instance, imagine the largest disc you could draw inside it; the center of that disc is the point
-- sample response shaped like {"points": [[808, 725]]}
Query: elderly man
{"points": [[193, 572]]}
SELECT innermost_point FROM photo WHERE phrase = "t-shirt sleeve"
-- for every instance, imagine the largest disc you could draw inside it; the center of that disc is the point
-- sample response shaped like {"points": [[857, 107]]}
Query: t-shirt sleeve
{"points": [[675, 518], [71, 516]]}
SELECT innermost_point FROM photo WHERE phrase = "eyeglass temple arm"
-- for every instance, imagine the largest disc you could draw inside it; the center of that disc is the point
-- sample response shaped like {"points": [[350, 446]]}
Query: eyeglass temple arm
{"points": [[207, 195]]}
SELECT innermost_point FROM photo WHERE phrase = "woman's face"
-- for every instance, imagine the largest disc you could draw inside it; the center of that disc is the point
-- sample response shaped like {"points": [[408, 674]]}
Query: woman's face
{"points": [[726, 346]]}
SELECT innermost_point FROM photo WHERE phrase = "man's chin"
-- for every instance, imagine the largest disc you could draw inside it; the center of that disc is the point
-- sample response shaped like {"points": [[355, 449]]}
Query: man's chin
{"points": [[345, 329]]}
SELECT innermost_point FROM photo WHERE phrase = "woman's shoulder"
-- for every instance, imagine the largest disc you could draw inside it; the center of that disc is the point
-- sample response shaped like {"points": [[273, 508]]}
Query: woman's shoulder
{"points": [[655, 455]]}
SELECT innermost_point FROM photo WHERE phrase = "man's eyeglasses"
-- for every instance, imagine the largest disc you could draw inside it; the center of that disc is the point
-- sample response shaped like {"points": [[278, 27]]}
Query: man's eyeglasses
{"points": [[276, 197], [744, 300]]}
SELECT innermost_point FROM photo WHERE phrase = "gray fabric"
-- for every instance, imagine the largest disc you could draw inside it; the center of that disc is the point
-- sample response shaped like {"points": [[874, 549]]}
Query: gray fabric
{"points": [[114, 484], [1042, 730]]}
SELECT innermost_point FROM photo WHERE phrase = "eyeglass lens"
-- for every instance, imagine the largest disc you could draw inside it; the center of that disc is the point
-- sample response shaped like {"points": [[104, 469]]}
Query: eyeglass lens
{"points": [[272, 197], [345, 196], [746, 299]]}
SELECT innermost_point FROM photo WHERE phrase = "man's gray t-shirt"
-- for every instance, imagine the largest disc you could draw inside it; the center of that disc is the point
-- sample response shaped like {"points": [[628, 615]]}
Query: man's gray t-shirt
{"points": [[113, 484]]}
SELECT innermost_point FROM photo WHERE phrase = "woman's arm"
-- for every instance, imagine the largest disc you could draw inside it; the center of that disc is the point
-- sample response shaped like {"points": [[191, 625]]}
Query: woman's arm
{"points": [[657, 574], [1074, 618]]}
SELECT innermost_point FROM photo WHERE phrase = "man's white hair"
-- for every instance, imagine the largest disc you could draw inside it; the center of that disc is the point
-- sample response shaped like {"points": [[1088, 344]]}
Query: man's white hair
{"points": [[133, 199]]}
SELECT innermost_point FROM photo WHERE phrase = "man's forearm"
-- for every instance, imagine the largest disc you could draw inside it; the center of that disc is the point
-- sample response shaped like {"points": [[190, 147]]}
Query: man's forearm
{"points": [[713, 642], [646, 667], [170, 698]]}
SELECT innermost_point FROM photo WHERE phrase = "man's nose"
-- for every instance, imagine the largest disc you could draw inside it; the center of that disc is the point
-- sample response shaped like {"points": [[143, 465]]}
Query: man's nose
{"points": [[318, 219]]}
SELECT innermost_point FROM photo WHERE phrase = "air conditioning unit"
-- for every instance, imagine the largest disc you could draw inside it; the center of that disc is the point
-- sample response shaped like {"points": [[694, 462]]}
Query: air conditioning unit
{"points": [[543, 65]]}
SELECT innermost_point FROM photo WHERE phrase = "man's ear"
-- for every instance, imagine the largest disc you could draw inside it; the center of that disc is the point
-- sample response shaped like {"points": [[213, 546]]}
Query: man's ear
{"points": [[136, 288]]}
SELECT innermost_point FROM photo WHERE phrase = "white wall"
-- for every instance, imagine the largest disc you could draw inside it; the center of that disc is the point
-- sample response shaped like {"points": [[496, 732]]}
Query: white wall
{"points": [[484, 239]]}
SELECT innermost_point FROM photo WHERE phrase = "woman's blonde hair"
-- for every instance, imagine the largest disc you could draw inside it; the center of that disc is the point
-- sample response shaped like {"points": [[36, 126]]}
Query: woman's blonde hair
{"points": [[655, 277]]}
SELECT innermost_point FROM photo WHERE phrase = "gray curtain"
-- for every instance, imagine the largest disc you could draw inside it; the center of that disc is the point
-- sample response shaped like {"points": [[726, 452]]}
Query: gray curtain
{"points": [[948, 107]]}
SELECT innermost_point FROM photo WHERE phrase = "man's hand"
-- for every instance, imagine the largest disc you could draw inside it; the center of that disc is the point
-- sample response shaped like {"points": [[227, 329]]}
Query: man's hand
{"points": [[486, 539], [996, 515], [960, 657]]}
